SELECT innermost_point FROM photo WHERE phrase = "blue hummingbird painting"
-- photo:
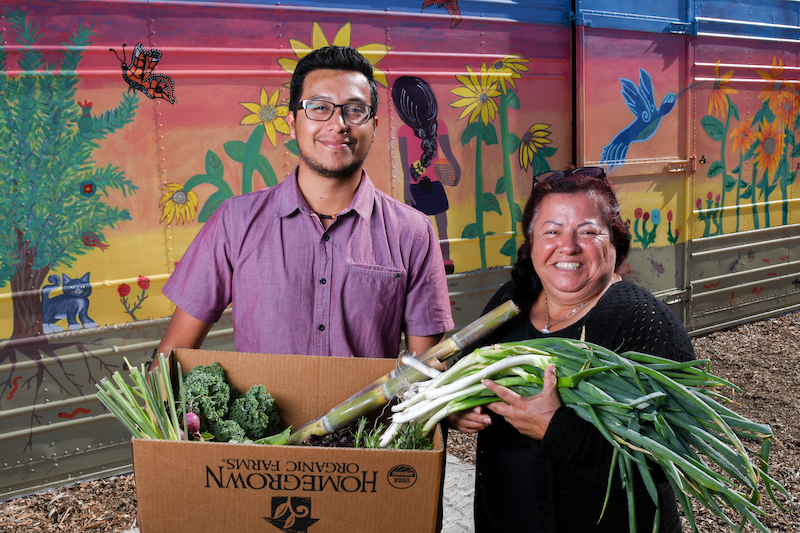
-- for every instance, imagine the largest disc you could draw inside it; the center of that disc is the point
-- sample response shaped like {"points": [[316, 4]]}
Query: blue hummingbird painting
{"points": [[642, 103]]}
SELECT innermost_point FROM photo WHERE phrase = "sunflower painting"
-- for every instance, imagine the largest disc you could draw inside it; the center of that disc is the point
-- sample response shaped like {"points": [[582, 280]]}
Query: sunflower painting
{"points": [[477, 94], [533, 140], [268, 113], [178, 204], [718, 100], [763, 143], [482, 97], [372, 52]]}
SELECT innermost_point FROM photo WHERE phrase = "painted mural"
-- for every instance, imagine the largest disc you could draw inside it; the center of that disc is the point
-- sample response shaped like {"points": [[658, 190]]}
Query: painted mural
{"points": [[125, 125], [756, 156], [113, 174]]}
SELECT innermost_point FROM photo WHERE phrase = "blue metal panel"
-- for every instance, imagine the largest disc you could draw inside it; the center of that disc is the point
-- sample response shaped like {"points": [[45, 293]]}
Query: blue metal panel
{"points": [[759, 19], [549, 12], [636, 15]]}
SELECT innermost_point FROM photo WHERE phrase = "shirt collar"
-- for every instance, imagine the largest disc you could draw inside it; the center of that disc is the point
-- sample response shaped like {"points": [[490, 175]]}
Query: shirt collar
{"points": [[292, 200]]}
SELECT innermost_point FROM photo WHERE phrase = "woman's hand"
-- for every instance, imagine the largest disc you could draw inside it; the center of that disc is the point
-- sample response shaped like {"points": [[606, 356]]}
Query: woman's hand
{"points": [[470, 421], [529, 415]]}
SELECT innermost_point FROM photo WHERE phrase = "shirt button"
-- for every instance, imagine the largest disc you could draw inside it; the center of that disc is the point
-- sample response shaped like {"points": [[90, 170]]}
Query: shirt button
{"points": [[326, 237], [321, 327], [323, 281]]}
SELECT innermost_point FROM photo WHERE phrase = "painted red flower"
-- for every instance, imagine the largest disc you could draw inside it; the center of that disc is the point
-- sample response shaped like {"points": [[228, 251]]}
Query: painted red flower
{"points": [[638, 213], [717, 198], [699, 203], [124, 289], [143, 282], [677, 232], [710, 195], [669, 215], [646, 216]]}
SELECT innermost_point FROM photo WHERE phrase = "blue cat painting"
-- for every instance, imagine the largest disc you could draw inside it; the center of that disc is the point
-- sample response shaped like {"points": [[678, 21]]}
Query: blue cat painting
{"points": [[72, 304]]}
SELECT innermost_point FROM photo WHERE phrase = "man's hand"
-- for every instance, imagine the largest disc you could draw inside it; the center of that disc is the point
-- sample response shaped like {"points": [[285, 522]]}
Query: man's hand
{"points": [[529, 415]]}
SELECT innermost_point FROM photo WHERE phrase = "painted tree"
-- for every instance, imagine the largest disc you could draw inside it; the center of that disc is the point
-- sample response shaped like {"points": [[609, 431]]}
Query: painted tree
{"points": [[49, 183]]}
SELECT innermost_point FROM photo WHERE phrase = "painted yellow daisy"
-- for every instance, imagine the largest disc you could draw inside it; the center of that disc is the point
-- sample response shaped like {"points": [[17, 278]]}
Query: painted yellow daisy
{"points": [[477, 96], [769, 152], [717, 100], [535, 138], [267, 112], [777, 90], [787, 105], [178, 204], [508, 69], [742, 137], [372, 52]]}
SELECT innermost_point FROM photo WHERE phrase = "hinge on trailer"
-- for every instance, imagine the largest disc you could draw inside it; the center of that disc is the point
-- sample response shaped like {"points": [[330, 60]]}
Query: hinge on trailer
{"points": [[689, 165], [676, 297], [579, 19], [683, 28]]}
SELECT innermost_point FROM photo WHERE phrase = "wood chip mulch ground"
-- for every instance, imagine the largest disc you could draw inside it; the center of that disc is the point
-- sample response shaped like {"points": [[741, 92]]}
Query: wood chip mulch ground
{"points": [[761, 358]]}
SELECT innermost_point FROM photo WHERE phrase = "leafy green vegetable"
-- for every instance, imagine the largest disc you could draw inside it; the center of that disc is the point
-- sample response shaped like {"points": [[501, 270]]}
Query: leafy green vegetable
{"points": [[223, 412], [255, 412], [207, 393]]}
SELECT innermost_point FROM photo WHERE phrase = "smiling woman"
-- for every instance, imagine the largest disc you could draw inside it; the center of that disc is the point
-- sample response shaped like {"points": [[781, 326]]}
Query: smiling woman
{"points": [[535, 456]]}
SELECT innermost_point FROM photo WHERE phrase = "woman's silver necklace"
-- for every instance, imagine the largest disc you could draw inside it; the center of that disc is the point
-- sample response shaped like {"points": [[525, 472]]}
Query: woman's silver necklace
{"points": [[547, 323]]}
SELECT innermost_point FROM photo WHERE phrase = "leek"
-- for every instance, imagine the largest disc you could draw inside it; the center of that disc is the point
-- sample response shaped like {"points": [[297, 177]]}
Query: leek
{"points": [[645, 406]]}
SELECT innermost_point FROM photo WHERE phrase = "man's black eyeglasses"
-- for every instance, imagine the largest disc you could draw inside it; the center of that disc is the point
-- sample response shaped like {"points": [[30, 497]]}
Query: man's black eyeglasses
{"points": [[320, 110], [554, 175]]}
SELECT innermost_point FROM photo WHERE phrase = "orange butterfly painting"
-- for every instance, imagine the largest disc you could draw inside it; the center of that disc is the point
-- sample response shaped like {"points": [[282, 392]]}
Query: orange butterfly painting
{"points": [[140, 77]]}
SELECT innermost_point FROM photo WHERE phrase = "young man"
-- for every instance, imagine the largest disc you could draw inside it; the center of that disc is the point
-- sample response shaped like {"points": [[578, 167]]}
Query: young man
{"points": [[323, 263]]}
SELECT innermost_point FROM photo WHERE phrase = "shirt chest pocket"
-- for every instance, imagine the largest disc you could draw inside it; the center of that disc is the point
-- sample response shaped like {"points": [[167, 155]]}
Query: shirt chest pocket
{"points": [[374, 291]]}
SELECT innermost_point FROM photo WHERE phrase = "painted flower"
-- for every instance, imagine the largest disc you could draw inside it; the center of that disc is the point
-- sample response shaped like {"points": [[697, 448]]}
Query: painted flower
{"points": [[770, 147], [88, 188], [699, 203], [655, 214], [477, 96], [646, 216], [777, 90], [718, 100], [535, 138], [507, 70], [787, 106], [267, 112], [710, 195], [638, 213], [669, 215], [178, 204], [124, 289], [677, 232], [717, 198], [143, 283], [372, 52], [742, 136]]}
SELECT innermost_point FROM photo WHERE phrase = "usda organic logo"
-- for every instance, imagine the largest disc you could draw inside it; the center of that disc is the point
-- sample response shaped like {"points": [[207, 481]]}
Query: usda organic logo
{"points": [[402, 476]]}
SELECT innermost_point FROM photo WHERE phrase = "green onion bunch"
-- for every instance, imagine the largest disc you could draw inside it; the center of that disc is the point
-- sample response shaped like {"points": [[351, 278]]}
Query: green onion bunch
{"points": [[647, 407], [146, 408]]}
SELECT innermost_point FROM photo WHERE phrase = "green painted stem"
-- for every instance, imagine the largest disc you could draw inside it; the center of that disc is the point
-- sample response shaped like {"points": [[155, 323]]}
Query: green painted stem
{"points": [[509, 180], [479, 196]]}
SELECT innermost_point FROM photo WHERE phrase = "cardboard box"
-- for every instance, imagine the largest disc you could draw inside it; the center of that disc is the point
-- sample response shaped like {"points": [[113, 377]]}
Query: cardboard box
{"points": [[222, 487]]}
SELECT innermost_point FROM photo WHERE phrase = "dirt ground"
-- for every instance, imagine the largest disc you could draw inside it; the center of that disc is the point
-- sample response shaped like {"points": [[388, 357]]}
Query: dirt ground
{"points": [[761, 358]]}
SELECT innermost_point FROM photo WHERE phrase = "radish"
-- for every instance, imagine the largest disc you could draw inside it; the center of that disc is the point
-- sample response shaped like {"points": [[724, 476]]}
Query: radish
{"points": [[192, 423]]}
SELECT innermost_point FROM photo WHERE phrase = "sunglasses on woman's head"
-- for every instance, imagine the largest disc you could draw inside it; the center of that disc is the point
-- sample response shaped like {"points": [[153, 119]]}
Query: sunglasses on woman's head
{"points": [[554, 175]]}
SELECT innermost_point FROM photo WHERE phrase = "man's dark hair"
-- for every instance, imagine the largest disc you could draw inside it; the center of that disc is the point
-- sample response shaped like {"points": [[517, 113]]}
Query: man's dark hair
{"points": [[331, 58]]}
